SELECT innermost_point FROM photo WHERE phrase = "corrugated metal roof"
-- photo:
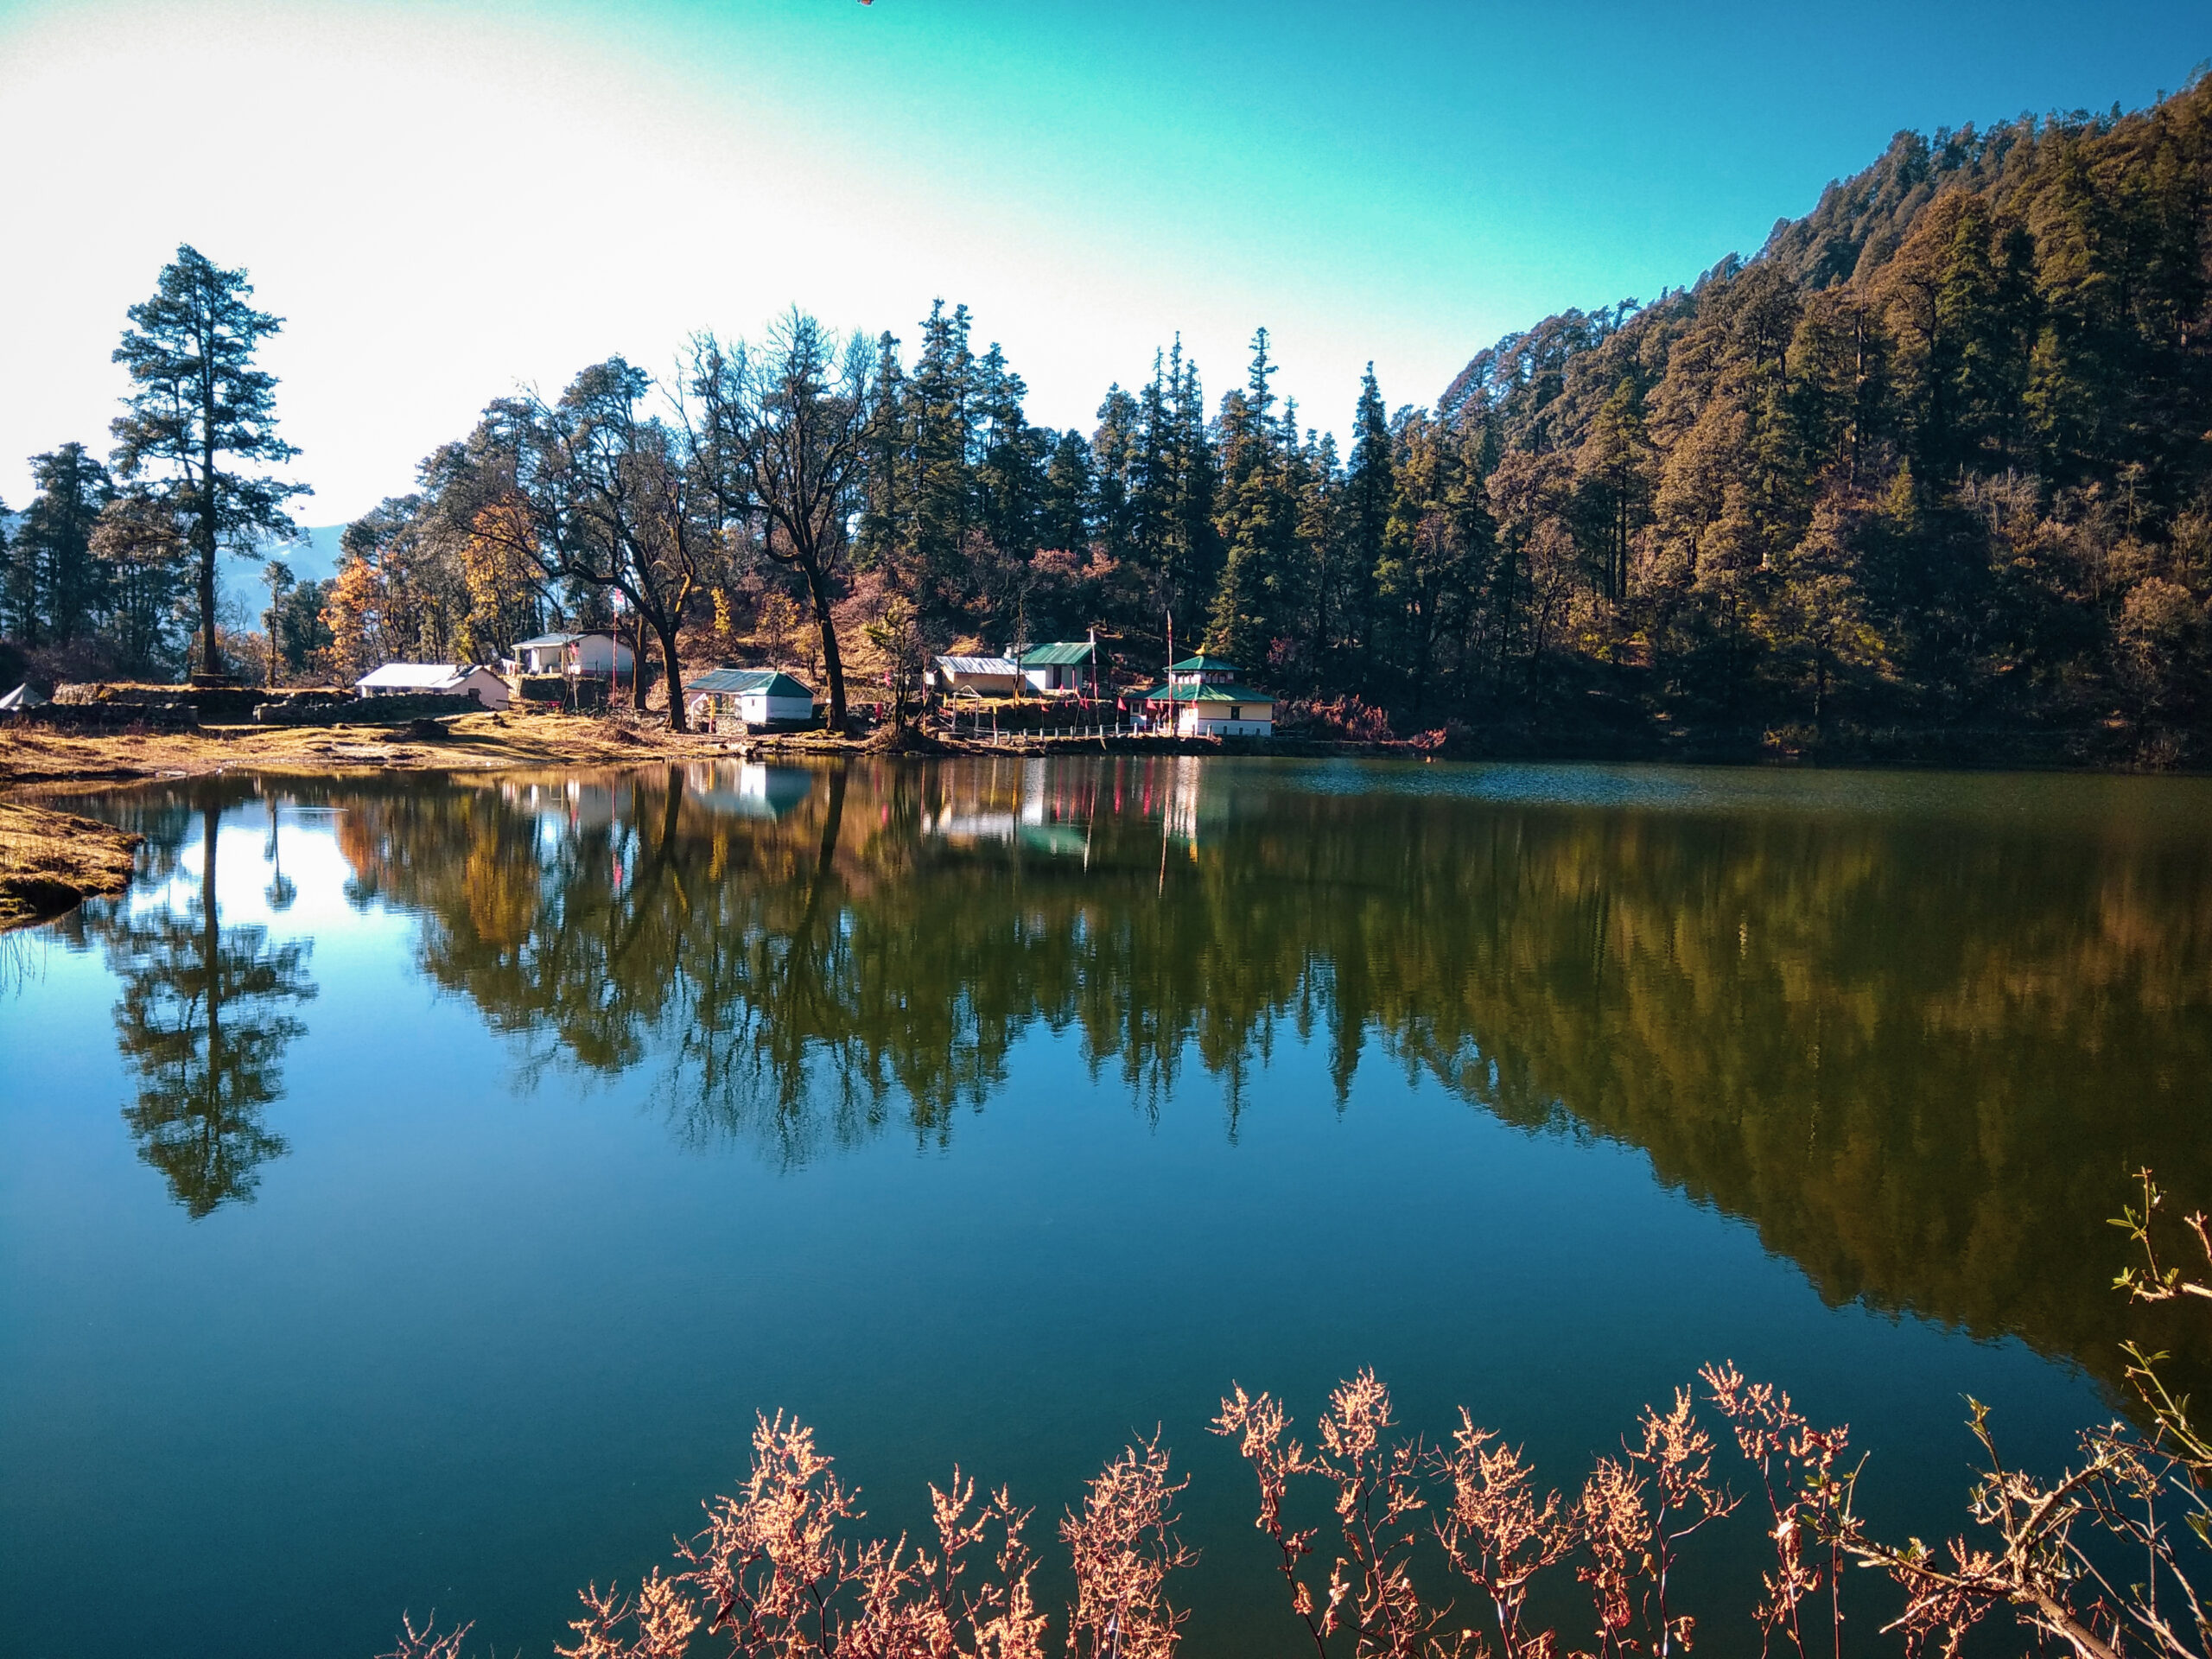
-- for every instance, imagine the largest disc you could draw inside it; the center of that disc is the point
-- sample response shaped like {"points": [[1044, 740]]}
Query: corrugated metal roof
{"points": [[978, 665], [1203, 664], [545, 640], [1065, 653], [1208, 694], [743, 682], [416, 675]]}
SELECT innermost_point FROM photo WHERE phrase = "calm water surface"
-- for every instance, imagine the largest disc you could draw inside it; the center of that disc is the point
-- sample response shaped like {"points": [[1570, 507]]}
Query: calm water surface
{"points": [[410, 1192]]}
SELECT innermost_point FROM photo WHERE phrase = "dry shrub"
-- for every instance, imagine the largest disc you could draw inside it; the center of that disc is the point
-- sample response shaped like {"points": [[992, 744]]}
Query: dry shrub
{"points": [[1498, 1535], [1124, 1545], [2106, 1559], [1347, 719], [774, 1574]]}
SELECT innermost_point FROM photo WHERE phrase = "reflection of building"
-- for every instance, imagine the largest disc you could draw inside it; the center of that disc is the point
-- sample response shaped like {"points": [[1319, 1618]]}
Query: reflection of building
{"points": [[757, 698], [435, 679], [1180, 800], [751, 792], [1203, 698]]}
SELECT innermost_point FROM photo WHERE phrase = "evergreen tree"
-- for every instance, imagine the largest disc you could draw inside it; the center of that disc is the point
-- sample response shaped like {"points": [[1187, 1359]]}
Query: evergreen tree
{"points": [[143, 557], [200, 410], [940, 440], [19, 607], [1064, 509], [1370, 488], [1256, 523], [55, 539]]}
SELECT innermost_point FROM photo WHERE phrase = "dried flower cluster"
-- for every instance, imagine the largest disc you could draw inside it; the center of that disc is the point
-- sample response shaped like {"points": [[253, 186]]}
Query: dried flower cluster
{"points": [[1434, 1550]]}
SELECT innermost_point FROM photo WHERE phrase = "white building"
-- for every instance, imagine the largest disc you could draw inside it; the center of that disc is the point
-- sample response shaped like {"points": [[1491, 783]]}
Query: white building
{"points": [[981, 677], [1064, 667], [435, 679], [1203, 698], [593, 654], [763, 698]]}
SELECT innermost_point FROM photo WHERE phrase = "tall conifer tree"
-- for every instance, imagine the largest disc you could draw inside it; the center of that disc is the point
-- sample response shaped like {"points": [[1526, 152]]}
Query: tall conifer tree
{"points": [[200, 412]]}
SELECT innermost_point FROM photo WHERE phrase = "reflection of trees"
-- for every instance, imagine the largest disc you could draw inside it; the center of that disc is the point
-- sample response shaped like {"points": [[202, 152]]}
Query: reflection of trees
{"points": [[199, 1020], [1919, 1053]]}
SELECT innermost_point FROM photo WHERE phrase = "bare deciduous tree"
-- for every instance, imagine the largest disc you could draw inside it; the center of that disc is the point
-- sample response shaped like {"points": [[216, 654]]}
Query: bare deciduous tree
{"points": [[782, 437]]}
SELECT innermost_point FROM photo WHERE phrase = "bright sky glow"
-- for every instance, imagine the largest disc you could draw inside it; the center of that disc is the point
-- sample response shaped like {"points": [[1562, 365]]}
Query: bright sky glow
{"points": [[444, 200]]}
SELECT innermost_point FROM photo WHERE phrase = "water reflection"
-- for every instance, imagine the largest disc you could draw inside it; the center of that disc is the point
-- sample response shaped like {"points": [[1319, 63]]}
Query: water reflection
{"points": [[203, 1019], [1919, 1043]]}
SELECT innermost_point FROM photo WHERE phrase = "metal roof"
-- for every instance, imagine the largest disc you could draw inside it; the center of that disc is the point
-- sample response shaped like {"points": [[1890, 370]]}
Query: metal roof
{"points": [[1064, 654], [1003, 666], [745, 682], [1203, 664], [1208, 694], [544, 639], [416, 674]]}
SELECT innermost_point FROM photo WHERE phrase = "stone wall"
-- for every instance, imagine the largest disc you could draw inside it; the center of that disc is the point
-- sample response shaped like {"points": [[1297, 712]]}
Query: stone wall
{"points": [[365, 711]]}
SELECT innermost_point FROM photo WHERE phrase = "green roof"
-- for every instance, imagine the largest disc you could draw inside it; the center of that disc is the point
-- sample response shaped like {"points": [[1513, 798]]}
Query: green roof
{"points": [[1062, 654], [1203, 664], [742, 681], [1208, 694]]}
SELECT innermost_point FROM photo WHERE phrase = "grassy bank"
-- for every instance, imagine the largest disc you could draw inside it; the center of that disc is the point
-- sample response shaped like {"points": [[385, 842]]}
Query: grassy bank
{"points": [[473, 742], [50, 861]]}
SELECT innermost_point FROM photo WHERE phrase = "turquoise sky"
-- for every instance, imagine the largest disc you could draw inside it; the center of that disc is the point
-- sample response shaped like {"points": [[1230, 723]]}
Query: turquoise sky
{"points": [[445, 199]]}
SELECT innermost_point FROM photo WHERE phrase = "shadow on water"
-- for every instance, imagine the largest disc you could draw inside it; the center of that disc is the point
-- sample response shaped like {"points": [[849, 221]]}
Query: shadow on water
{"points": [[1918, 1031]]}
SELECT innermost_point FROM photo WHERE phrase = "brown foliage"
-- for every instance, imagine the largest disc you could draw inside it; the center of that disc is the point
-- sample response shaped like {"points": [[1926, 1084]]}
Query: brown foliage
{"points": [[2105, 1559]]}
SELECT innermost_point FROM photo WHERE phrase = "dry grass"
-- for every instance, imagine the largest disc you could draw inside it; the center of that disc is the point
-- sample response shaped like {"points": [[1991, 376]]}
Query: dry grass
{"points": [[51, 861], [471, 743]]}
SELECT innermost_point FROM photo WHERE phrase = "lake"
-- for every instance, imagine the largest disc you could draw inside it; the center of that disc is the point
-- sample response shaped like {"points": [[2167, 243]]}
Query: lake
{"points": [[410, 1192]]}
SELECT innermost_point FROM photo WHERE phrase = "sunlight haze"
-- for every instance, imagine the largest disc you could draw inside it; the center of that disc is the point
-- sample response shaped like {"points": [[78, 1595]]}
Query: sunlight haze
{"points": [[446, 200]]}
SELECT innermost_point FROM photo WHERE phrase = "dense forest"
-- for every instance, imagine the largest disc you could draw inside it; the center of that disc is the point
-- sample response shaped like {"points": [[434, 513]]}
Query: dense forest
{"points": [[1931, 474]]}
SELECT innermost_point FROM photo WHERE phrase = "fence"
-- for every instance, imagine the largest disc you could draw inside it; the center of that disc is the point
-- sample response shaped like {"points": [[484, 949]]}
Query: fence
{"points": [[984, 729]]}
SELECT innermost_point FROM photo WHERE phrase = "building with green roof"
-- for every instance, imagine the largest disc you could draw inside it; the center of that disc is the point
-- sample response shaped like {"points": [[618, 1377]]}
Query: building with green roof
{"points": [[1205, 696], [763, 699], [1064, 666]]}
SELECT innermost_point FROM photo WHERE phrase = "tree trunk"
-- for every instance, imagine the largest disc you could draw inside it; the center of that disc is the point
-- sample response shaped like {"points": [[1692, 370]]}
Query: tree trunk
{"points": [[211, 657], [833, 664], [637, 661], [677, 720]]}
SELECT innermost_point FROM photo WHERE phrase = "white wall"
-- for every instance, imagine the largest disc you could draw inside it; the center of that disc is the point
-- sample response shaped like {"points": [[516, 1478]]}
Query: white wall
{"points": [[758, 708], [597, 654]]}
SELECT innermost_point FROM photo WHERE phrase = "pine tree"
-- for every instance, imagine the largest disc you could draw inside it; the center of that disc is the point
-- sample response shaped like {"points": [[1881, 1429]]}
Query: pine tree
{"points": [[19, 607], [55, 539], [1256, 523], [1064, 511], [1370, 488], [200, 408], [940, 439]]}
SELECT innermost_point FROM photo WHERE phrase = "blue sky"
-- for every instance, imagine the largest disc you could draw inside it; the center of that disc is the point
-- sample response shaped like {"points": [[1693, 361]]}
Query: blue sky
{"points": [[444, 200]]}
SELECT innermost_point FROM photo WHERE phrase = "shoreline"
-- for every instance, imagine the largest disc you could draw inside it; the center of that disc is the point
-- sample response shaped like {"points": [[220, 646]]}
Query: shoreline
{"points": [[51, 861]]}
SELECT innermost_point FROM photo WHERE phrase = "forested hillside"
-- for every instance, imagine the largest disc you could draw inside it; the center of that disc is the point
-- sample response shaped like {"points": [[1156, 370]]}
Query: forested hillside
{"points": [[1926, 478], [1935, 460]]}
